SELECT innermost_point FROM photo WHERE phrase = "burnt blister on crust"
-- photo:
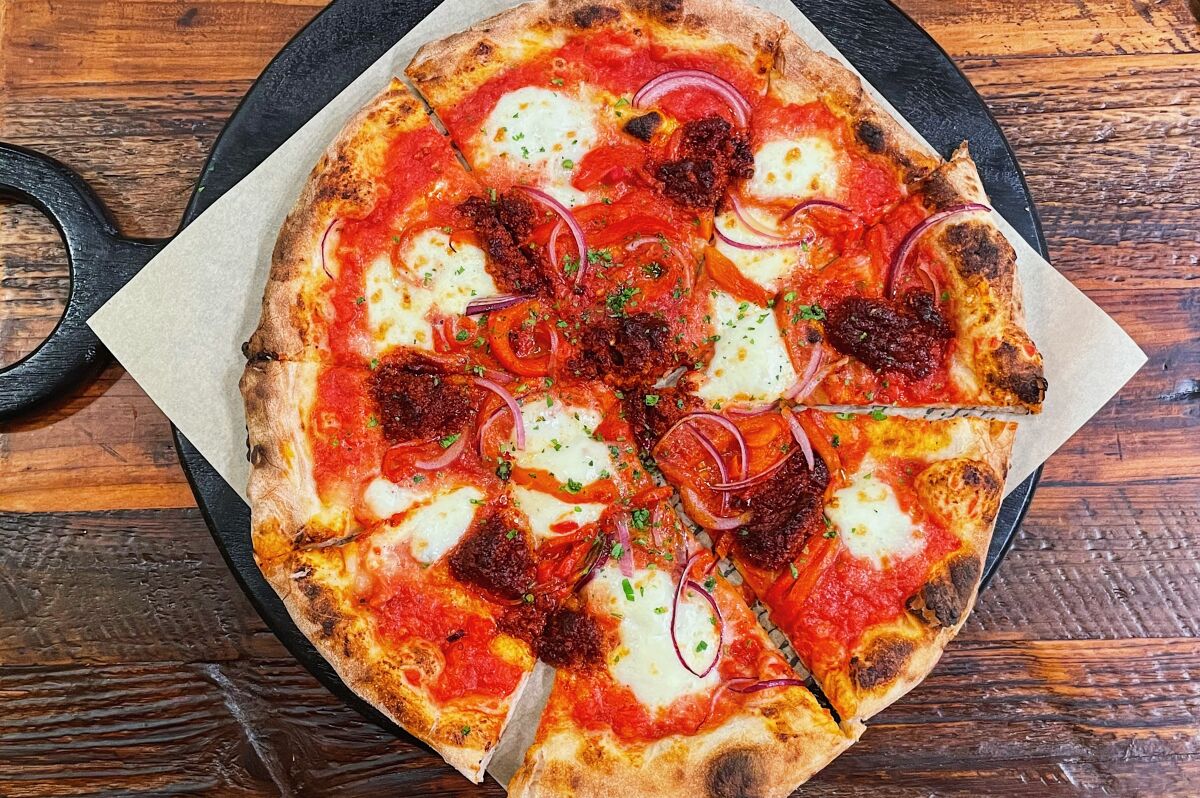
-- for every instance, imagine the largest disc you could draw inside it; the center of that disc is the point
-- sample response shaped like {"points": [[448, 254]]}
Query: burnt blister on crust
{"points": [[943, 600], [980, 250], [882, 662], [643, 127], [590, 16], [1017, 375], [735, 774]]}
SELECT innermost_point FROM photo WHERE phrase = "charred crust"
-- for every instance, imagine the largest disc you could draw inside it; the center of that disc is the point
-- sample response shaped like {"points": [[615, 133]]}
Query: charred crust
{"points": [[1019, 377], [734, 774], [979, 250], [643, 127], [872, 135], [882, 662], [940, 193], [667, 11], [943, 600], [589, 16]]}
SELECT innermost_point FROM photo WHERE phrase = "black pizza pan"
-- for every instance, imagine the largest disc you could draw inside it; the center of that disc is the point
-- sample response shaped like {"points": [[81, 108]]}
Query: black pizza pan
{"points": [[887, 47]]}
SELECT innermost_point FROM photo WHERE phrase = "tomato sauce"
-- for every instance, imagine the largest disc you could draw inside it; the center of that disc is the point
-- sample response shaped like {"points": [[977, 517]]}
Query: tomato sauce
{"points": [[346, 445], [463, 638]]}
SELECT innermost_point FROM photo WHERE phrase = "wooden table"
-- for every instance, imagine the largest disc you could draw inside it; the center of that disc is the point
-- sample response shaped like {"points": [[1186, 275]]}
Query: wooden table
{"points": [[130, 662]]}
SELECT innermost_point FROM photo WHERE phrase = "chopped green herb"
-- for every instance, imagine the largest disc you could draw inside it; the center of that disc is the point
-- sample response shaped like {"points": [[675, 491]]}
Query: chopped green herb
{"points": [[572, 486], [462, 335], [651, 400], [374, 363], [701, 646], [641, 518], [570, 265], [628, 588], [812, 312], [511, 534], [617, 550], [878, 414], [836, 441], [792, 568], [418, 479], [660, 610], [653, 269], [843, 416], [449, 440], [360, 300], [372, 421], [568, 163], [556, 81]]}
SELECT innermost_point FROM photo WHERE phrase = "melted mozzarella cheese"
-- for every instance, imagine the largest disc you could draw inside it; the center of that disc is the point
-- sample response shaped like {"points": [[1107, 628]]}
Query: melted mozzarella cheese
{"points": [[453, 274], [558, 439], [396, 309], [385, 498], [436, 278], [750, 361], [534, 128], [545, 513], [797, 170], [644, 659], [432, 525], [766, 267], [870, 521]]}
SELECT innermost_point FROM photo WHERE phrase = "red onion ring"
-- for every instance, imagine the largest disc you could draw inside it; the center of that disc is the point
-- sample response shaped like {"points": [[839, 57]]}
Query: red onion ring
{"points": [[805, 385], [685, 581], [497, 376], [569, 220], [757, 478], [743, 216], [776, 244], [695, 78], [716, 458], [801, 436], [815, 203], [751, 411], [452, 453], [325, 236], [709, 520], [498, 302], [513, 408], [910, 240], [720, 627], [552, 245], [725, 423], [626, 549], [641, 242], [485, 426], [765, 684]]}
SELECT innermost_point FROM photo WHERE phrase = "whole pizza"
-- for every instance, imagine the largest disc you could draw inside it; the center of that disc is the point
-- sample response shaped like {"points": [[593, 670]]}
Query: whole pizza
{"points": [[608, 340]]}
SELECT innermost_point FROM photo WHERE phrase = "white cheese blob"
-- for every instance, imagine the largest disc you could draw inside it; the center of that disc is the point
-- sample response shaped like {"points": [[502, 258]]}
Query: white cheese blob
{"points": [[542, 131], [766, 267], [750, 362], [544, 512], [806, 167], [644, 659], [558, 439], [431, 526], [871, 523], [433, 277], [385, 498], [454, 274]]}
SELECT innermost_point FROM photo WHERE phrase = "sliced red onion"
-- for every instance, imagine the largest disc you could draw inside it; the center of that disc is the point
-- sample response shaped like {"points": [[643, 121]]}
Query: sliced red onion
{"points": [[720, 626], [751, 411], [765, 684], [684, 581], [492, 303], [485, 426], [513, 408], [801, 437], [757, 478], [775, 244], [712, 451], [910, 240], [598, 556], [694, 78], [728, 425], [641, 242], [497, 376], [743, 216], [447, 457], [709, 520], [814, 203], [569, 220], [552, 245], [626, 550], [805, 385], [325, 237]]}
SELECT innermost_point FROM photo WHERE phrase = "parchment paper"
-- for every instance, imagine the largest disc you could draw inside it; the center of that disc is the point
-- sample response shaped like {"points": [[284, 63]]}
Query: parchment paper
{"points": [[178, 326]]}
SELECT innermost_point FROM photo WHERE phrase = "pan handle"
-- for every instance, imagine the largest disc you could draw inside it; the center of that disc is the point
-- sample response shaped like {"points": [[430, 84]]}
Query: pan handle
{"points": [[99, 261]]}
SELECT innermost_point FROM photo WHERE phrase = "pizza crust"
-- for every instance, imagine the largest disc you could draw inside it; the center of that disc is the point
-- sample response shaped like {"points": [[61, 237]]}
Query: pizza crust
{"points": [[765, 754], [343, 184], [995, 362]]}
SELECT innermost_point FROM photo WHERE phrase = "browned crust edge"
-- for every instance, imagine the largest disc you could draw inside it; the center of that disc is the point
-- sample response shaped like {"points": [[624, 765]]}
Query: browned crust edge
{"points": [[444, 70], [343, 183], [747, 756], [803, 74], [1008, 367]]}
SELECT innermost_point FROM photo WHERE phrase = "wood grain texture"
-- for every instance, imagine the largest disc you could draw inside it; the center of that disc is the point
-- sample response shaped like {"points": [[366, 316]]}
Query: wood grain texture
{"points": [[130, 663]]}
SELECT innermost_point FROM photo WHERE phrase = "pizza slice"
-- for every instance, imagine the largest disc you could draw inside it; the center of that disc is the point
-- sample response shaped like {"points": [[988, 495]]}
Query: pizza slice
{"points": [[666, 684], [925, 310], [863, 535]]}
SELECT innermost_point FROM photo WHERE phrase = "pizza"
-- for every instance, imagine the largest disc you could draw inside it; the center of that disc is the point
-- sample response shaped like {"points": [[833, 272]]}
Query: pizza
{"points": [[612, 340]]}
